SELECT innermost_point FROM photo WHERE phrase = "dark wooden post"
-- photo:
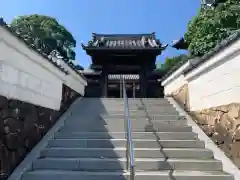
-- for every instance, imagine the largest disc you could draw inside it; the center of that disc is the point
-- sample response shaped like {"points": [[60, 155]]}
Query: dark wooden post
{"points": [[143, 83], [104, 83]]}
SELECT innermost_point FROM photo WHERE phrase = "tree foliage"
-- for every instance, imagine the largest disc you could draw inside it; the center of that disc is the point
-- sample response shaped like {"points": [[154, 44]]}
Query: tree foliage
{"points": [[169, 63], [211, 26], [46, 34]]}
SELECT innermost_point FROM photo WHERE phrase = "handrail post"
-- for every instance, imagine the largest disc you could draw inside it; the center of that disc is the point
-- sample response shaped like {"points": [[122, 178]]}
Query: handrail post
{"points": [[121, 87], [128, 126]]}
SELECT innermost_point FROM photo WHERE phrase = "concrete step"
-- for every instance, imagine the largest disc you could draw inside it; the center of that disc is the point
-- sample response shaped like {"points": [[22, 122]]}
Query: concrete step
{"points": [[136, 110], [93, 164], [134, 99], [138, 106], [120, 127], [154, 175], [120, 122], [146, 121], [122, 135], [163, 109], [142, 113], [195, 153], [113, 143], [136, 103], [160, 101], [136, 116]]}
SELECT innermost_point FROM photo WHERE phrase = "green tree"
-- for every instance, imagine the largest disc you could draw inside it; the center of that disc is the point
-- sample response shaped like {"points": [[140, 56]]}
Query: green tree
{"points": [[46, 34], [211, 26], [170, 63]]}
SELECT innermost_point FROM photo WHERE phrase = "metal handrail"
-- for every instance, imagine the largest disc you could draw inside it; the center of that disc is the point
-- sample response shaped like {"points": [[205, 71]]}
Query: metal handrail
{"points": [[129, 149]]}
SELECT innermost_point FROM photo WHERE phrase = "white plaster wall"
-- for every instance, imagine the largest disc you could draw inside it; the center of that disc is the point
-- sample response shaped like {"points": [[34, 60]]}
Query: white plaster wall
{"points": [[175, 80], [75, 84], [217, 81], [73, 80], [174, 85], [26, 76]]}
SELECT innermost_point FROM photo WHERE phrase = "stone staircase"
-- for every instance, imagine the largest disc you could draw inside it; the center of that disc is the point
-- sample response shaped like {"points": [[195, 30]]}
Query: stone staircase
{"points": [[92, 145]]}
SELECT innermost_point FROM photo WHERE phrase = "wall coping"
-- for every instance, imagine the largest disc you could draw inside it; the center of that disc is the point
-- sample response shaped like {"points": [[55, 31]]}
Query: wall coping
{"points": [[221, 46], [48, 66], [179, 71], [175, 73], [53, 61], [215, 60], [198, 61], [72, 72], [54, 65]]}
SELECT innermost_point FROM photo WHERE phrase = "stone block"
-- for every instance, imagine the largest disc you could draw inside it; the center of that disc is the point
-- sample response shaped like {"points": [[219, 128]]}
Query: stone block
{"points": [[3, 102], [22, 125], [208, 129], [222, 124], [182, 97], [234, 110]]}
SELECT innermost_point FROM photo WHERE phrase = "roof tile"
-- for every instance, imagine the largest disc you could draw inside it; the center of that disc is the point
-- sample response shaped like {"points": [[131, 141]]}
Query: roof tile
{"points": [[128, 41]]}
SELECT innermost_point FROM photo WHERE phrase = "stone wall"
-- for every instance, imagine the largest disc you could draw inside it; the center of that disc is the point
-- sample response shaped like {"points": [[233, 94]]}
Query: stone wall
{"points": [[22, 125], [222, 124], [207, 88], [182, 97]]}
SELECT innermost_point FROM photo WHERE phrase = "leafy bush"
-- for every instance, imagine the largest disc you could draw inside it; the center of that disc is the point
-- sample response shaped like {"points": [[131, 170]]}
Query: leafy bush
{"points": [[46, 34], [173, 62], [211, 26]]}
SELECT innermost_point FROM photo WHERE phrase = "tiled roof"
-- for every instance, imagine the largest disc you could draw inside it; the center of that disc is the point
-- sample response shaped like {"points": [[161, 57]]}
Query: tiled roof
{"points": [[90, 72], [45, 56], [180, 44], [156, 73], [124, 41], [211, 2], [207, 2]]}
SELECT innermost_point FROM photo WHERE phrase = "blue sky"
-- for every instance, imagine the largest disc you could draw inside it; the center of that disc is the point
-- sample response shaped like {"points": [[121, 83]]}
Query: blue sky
{"points": [[168, 18]]}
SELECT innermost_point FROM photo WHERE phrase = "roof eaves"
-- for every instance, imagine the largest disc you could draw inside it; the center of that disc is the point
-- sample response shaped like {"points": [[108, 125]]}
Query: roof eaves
{"points": [[119, 49], [92, 73], [180, 44]]}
